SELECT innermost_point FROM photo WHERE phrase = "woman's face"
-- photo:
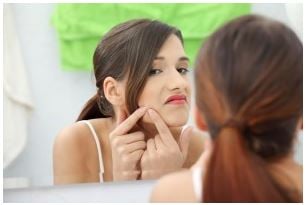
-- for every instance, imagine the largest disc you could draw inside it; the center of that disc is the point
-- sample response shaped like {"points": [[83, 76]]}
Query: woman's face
{"points": [[167, 89]]}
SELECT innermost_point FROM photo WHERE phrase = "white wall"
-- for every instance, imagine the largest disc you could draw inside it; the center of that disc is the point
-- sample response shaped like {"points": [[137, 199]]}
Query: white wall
{"points": [[58, 96]]}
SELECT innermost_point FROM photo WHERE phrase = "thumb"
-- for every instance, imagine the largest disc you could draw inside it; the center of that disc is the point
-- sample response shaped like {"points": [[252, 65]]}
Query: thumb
{"points": [[185, 140], [203, 159]]}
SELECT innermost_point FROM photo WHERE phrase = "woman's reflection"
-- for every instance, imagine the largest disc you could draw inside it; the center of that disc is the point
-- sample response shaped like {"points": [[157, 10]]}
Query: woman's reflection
{"points": [[132, 128]]}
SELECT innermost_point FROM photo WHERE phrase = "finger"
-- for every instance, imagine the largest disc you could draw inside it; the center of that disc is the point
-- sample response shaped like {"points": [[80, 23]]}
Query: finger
{"points": [[158, 142], [204, 158], [140, 145], [185, 140], [130, 122], [136, 155], [144, 159], [151, 147], [162, 128], [127, 138], [131, 174], [133, 137]]}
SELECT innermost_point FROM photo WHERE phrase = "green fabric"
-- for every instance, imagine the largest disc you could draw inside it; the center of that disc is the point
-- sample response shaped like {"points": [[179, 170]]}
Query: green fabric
{"points": [[81, 26]]}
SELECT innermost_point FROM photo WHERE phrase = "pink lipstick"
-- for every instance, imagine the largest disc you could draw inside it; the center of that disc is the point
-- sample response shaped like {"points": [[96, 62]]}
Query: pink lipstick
{"points": [[176, 99]]}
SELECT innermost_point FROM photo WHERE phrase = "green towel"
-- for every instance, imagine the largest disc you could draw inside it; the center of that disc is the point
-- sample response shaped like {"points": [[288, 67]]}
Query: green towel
{"points": [[80, 27]]}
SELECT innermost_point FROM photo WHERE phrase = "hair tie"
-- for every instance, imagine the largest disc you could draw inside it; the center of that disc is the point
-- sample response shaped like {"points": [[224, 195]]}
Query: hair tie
{"points": [[233, 123]]}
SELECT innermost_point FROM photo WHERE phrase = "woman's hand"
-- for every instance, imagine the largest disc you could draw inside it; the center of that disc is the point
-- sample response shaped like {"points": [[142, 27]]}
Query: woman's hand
{"points": [[127, 147], [163, 154]]}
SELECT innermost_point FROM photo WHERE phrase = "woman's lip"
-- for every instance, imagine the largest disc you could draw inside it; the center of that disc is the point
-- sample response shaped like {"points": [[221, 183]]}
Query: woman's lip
{"points": [[179, 98], [177, 102]]}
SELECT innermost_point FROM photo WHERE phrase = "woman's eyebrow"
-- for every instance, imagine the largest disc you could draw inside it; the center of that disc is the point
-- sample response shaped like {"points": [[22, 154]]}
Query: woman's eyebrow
{"points": [[159, 58], [183, 58]]}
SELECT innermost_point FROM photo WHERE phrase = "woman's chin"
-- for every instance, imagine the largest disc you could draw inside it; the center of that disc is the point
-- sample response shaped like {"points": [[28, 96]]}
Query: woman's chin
{"points": [[169, 122], [175, 122]]}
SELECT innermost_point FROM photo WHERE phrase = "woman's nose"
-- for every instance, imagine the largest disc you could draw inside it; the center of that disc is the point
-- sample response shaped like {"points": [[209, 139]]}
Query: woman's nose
{"points": [[177, 80]]}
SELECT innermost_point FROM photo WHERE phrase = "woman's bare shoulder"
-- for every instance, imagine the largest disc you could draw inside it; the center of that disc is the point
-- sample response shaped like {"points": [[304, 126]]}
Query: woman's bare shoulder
{"points": [[75, 134], [77, 139], [174, 187], [72, 150]]}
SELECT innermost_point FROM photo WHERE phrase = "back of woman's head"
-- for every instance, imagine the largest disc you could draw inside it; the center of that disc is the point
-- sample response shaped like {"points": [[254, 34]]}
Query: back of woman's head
{"points": [[126, 51], [249, 88]]}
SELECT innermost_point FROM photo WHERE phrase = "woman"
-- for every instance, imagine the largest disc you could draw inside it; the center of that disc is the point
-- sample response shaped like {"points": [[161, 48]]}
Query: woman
{"points": [[132, 128], [249, 77]]}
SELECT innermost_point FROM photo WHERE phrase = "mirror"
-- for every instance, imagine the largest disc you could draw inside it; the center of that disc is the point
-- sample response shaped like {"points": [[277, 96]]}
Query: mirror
{"points": [[53, 97]]}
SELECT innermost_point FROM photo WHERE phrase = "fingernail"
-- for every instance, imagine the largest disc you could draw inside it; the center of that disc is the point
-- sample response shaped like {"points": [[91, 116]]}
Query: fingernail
{"points": [[143, 108], [150, 111]]}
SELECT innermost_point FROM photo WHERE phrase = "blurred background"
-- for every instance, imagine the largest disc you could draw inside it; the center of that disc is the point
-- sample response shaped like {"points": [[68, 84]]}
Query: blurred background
{"points": [[48, 79]]}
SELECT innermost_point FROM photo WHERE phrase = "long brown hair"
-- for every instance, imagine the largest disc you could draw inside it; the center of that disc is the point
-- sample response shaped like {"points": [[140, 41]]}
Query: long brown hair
{"points": [[128, 49], [249, 77]]}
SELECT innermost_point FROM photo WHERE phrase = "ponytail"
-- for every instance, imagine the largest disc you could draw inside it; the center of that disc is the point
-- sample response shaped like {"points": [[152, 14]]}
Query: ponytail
{"points": [[258, 81], [96, 107], [235, 174]]}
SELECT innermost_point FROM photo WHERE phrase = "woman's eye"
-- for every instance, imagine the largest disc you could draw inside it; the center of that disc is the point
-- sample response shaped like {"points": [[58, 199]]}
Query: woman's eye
{"points": [[155, 71], [183, 70]]}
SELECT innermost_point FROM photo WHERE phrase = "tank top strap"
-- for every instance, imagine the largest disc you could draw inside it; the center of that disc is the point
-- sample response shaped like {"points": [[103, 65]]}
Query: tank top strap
{"points": [[94, 134]]}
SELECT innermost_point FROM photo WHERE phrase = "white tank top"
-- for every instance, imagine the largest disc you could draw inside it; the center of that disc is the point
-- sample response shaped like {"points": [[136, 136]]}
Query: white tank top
{"points": [[197, 181], [94, 134]]}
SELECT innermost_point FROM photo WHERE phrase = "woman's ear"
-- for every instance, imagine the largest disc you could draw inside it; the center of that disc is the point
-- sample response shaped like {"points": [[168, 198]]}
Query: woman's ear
{"points": [[114, 91], [199, 120]]}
